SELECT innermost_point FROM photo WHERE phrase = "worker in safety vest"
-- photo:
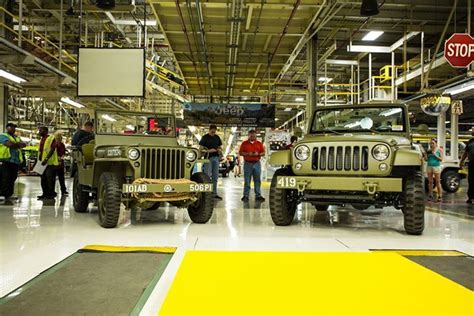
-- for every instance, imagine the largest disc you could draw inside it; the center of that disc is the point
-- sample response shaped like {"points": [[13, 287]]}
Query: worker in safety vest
{"points": [[11, 158], [48, 156]]}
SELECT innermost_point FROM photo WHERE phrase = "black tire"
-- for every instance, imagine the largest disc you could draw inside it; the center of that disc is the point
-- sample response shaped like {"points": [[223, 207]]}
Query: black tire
{"points": [[282, 201], [321, 208], [109, 196], [414, 204], [451, 181], [80, 197], [201, 211]]}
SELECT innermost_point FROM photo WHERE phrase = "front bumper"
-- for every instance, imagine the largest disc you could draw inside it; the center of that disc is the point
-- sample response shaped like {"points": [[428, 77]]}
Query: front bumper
{"points": [[369, 185], [165, 186]]}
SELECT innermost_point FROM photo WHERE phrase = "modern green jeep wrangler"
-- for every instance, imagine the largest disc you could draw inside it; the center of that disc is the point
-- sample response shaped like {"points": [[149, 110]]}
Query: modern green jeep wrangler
{"points": [[135, 159], [360, 155]]}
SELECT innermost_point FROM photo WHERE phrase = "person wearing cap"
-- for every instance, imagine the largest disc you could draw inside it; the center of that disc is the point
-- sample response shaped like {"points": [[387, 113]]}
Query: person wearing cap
{"points": [[469, 155], [212, 142], [11, 158], [252, 150]]}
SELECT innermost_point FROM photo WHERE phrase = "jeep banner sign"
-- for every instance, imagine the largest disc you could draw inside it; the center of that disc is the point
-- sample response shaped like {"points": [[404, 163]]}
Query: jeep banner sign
{"points": [[459, 50], [240, 115]]}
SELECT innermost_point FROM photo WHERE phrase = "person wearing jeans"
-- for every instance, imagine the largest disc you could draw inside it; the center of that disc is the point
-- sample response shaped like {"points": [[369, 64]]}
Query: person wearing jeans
{"points": [[252, 150], [212, 142], [469, 155]]}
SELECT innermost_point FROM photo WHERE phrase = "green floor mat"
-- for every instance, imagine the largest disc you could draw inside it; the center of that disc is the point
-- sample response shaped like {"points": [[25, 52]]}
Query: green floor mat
{"points": [[90, 282]]}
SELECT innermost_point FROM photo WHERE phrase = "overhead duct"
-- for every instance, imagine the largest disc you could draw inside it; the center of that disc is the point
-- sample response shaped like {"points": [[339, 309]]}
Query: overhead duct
{"points": [[369, 8]]}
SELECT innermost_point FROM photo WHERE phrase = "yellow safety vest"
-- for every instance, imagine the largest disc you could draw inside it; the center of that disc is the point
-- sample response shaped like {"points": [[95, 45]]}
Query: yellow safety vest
{"points": [[5, 153], [53, 160]]}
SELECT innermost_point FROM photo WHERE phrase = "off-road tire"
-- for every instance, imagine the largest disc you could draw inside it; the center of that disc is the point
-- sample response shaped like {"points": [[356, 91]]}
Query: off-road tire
{"points": [[79, 196], [414, 204], [447, 177], [281, 210], [201, 211], [109, 196]]}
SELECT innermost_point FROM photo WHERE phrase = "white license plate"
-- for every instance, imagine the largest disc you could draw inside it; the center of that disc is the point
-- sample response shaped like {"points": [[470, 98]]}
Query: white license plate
{"points": [[135, 188]]}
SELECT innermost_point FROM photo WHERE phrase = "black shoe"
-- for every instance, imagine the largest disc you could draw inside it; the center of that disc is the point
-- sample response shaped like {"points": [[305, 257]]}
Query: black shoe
{"points": [[65, 193], [217, 197], [260, 198], [40, 197], [245, 199]]}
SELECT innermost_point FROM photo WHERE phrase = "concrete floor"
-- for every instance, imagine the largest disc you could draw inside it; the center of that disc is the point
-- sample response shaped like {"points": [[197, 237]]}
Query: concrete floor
{"points": [[35, 235]]}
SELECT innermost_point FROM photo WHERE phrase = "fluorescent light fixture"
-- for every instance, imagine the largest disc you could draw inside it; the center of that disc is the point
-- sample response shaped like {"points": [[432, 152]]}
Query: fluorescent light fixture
{"points": [[277, 119], [130, 127], [234, 129], [390, 112], [372, 35], [351, 125], [71, 102], [31, 99], [108, 118], [299, 99], [12, 77], [325, 79], [461, 88], [288, 109]]}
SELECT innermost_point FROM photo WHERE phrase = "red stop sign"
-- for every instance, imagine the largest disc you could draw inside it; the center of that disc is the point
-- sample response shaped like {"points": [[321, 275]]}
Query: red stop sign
{"points": [[459, 50]]}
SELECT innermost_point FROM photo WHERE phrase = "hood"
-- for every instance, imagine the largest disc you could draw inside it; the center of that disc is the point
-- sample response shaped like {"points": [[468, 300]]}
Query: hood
{"points": [[392, 140]]}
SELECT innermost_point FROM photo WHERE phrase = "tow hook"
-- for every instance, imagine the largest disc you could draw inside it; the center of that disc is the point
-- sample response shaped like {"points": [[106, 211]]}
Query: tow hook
{"points": [[371, 187], [302, 185]]}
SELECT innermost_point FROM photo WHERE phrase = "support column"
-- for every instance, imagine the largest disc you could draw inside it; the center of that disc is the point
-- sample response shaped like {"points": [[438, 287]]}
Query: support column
{"points": [[312, 60], [442, 131], [3, 106], [454, 135]]}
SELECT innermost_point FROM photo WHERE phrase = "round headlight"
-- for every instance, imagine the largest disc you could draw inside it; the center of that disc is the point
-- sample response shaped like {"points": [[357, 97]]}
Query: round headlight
{"points": [[302, 152], [380, 152], [191, 155], [133, 154]]}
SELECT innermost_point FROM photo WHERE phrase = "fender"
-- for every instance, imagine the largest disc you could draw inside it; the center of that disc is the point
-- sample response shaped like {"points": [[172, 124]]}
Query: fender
{"points": [[408, 157], [281, 158]]}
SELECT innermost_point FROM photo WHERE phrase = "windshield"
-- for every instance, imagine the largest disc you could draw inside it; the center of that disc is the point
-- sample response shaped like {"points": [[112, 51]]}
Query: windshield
{"points": [[138, 124], [375, 119]]}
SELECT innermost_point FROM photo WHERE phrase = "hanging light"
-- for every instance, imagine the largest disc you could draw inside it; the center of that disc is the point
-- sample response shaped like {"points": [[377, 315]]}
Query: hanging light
{"points": [[369, 8]]}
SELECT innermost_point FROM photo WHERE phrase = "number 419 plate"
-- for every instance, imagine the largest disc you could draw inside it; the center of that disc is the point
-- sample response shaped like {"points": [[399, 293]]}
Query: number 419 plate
{"points": [[286, 183]]}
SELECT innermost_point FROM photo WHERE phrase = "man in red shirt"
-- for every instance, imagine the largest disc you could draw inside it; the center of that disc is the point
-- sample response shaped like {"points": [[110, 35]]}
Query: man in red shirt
{"points": [[252, 150]]}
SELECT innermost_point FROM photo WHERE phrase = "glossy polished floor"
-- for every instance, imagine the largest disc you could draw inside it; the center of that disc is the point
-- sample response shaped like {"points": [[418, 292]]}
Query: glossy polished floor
{"points": [[35, 235]]}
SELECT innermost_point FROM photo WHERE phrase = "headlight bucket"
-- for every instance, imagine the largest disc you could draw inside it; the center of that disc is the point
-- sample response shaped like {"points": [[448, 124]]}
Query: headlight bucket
{"points": [[302, 152], [380, 152], [191, 155], [133, 154]]}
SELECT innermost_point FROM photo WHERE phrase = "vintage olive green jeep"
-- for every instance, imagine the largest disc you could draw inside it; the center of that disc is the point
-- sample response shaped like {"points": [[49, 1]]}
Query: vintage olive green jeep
{"points": [[135, 160], [360, 155]]}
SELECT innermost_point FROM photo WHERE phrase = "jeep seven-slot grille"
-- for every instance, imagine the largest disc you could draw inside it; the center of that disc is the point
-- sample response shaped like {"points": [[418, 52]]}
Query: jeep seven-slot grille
{"points": [[339, 158], [163, 163]]}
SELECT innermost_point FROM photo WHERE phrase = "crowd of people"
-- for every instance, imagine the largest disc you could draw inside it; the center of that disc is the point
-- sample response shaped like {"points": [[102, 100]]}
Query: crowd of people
{"points": [[51, 154]]}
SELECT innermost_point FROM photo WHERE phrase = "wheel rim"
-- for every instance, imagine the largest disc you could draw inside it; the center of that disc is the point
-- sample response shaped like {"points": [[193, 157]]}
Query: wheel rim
{"points": [[453, 182]]}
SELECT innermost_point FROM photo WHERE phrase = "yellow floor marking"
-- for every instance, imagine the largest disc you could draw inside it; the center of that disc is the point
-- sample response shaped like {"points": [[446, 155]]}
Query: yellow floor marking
{"points": [[106, 248], [432, 253], [266, 283]]}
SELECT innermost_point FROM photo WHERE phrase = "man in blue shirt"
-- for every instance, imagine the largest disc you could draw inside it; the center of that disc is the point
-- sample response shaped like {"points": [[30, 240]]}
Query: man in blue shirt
{"points": [[10, 160], [469, 154]]}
